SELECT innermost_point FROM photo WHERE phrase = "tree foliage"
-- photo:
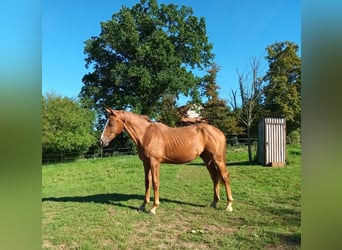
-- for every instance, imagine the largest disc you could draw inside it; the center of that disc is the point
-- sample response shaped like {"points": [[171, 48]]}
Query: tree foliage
{"points": [[215, 110], [283, 89], [167, 112], [66, 126], [143, 55]]}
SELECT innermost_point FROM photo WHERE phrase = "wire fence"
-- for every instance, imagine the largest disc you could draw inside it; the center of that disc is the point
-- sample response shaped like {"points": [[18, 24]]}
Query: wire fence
{"points": [[95, 153], [99, 152]]}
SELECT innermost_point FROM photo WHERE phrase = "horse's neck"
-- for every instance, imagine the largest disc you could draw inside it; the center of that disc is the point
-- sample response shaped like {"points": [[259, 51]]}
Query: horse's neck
{"points": [[136, 126]]}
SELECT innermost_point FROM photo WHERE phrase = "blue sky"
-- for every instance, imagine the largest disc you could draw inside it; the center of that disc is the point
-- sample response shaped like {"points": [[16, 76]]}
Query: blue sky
{"points": [[239, 31]]}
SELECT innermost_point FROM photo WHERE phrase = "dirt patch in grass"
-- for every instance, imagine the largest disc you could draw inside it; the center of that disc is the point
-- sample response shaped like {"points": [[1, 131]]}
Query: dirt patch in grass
{"points": [[179, 230], [47, 244]]}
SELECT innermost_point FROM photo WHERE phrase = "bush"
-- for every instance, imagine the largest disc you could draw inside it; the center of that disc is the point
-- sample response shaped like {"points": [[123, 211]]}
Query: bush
{"points": [[294, 138], [67, 127]]}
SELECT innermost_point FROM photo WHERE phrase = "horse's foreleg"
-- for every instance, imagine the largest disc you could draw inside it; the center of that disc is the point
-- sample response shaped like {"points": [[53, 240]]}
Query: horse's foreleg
{"points": [[155, 168], [148, 181]]}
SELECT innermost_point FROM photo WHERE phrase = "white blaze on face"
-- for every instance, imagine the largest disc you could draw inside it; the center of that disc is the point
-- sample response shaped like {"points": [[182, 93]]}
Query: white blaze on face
{"points": [[104, 129]]}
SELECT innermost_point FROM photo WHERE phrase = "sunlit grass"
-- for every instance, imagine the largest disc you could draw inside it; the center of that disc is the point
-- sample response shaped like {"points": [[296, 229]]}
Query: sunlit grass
{"points": [[91, 204]]}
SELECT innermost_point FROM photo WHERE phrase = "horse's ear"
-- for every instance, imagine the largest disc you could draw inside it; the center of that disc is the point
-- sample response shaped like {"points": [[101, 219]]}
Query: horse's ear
{"points": [[109, 111]]}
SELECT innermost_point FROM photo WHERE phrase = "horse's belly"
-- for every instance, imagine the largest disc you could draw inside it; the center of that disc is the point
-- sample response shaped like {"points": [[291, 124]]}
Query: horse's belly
{"points": [[180, 156]]}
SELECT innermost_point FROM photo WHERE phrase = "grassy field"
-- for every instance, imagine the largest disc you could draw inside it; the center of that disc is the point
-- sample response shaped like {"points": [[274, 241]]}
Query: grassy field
{"points": [[91, 204]]}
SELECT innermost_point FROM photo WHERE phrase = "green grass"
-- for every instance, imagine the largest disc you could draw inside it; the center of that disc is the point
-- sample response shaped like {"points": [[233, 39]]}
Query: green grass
{"points": [[91, 204]]}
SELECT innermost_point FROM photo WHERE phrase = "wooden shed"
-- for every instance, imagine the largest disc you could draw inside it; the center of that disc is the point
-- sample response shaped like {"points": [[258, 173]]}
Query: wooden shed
{"points": [[272, 142]]}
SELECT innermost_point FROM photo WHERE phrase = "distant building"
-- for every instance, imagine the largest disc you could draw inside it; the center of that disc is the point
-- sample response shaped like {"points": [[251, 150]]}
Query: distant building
{"points": [[190, 114]]}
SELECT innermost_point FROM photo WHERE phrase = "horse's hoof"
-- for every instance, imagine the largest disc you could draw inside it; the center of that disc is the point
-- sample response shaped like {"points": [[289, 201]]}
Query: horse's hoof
{"points": [[141, 209], [229, 209], [152, 212], [213, 205]]}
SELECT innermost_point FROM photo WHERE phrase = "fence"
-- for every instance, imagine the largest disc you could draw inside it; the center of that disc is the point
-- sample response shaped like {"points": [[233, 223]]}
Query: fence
{"points": [[236, 142], [99, 152], [91, 154]]}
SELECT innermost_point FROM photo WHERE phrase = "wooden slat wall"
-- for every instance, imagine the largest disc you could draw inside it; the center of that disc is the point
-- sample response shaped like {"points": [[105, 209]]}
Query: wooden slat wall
{"points": [[272, 142]]}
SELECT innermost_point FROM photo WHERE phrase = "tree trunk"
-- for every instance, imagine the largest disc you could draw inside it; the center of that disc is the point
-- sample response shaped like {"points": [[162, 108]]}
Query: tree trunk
{"points": [[249, 145]]}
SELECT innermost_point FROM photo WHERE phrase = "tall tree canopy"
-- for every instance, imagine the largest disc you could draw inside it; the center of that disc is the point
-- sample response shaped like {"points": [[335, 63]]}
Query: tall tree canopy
{"points": [[283, 89], [144, 54]]}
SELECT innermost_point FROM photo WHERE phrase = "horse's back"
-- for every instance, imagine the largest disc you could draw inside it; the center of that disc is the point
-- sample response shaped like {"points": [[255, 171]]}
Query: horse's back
{"points": [[214, 143], [204, 131], [174, 145], [211, 133], [200, 137]]}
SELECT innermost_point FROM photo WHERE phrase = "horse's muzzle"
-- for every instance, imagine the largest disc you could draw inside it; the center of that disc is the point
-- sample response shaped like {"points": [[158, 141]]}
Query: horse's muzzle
{"points": [[103, 143]]}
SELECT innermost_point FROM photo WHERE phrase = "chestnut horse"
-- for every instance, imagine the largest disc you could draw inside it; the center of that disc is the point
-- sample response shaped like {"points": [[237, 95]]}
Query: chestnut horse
{"points": [[158, 143]]}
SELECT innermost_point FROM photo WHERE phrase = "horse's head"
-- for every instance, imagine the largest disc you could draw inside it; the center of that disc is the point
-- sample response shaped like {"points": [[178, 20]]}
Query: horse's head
{"points": [[113, 127]]}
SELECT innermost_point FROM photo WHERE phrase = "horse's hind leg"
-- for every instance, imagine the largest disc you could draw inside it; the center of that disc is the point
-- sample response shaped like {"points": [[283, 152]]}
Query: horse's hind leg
{"points": [[214, 176], [155, 169], [224, 175]]}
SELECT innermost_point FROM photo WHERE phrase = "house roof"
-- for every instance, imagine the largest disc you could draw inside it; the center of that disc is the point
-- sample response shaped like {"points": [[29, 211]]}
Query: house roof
{"points": [[191, 113]]}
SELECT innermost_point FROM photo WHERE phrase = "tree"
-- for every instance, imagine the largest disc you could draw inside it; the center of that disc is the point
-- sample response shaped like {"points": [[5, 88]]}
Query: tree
{"points": [[66, 127], [143, 54], [167, 112], [250, 93], [215, 110], [283, 89]]}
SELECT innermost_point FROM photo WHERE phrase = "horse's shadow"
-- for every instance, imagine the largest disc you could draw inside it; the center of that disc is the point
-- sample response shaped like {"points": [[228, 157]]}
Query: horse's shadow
{"points": [[112, 199], [229, 164]]}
